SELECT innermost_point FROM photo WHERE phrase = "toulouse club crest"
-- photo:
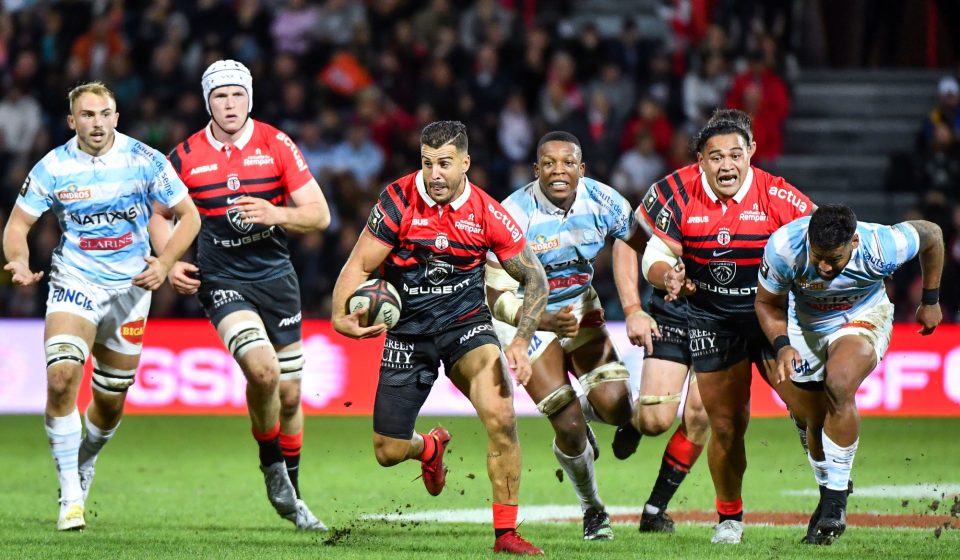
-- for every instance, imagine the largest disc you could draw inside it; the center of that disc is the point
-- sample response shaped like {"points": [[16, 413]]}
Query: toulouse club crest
{"points": [[723, 237], [233, 182], [723, 271], [442, 242]]}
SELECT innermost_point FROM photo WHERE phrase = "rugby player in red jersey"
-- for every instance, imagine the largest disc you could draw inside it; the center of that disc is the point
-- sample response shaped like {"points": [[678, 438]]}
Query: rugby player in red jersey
{"points": [[429, 235], [718, 222], [251, 186]]}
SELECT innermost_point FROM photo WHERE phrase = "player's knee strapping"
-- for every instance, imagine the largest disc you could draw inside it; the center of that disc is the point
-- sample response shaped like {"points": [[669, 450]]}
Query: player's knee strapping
{"points": [[65, 348], [291, 364], [607, 373], [245, 336], [659, 399], [111, 380], [557, 400]]}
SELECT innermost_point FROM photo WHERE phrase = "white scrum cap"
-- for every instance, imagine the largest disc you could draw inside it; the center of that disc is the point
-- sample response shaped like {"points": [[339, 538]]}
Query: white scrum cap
{"points": [[226, 73]]}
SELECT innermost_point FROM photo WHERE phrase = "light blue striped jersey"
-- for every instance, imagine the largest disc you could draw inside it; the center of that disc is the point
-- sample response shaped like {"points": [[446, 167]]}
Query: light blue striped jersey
{"points": [[824, 306], [103, 204], [568, 242]]}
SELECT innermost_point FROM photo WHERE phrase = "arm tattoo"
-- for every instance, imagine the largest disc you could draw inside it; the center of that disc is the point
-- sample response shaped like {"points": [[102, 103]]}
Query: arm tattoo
{"points": [[929, 233], [526, 269]]}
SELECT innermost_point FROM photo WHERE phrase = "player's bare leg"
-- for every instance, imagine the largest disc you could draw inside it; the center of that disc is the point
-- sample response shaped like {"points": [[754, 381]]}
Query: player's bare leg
{"points": [[658, 405], [482, 376], [609, 391], [550, 388], [68, 339], [726, 397], [113, 373]]}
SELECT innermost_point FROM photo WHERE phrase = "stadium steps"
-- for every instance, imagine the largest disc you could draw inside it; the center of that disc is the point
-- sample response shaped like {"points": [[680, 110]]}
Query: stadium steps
{"points": [[844, 125]]}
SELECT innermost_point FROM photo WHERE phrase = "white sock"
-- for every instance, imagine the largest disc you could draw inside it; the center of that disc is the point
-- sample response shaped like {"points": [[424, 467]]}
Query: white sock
{"points": [[93, 442], [651, 509], [581, 473], [839, 462], [819, 470], [63, 433], [588, 412]]}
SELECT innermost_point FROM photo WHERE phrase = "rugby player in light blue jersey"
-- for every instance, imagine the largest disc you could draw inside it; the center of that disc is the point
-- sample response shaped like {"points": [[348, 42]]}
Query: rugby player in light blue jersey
{"points": [[836, 326], [567, 218], [102, 185]]}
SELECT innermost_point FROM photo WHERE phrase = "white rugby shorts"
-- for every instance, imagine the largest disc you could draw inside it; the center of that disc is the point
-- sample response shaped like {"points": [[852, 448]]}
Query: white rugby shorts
{"points": [[875, 325], [120, 314]]}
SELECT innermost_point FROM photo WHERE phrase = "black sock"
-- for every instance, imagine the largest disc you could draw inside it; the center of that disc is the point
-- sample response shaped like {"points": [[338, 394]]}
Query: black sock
{"points": [[735, 517], [270, 451], [500, 532], [666, 486], [293, 470]]}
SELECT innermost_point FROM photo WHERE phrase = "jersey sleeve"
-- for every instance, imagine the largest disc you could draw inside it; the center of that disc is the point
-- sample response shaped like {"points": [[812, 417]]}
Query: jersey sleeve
{"points": [[788, 203], [34, 197], [165, 186], [662, 214], [386, 215], [620, 220], [296, 172], [889, 247], [504, 236], [776, 273]]}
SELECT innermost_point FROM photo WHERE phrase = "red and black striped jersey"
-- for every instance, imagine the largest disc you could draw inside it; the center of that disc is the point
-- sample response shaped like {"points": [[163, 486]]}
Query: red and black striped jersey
{"points": [[438, 252], [722, 242], [672, 312], [263, 163]]}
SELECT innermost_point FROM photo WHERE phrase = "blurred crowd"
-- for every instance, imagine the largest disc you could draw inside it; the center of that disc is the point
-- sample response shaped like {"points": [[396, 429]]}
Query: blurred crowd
{"points": [[354, 81]]}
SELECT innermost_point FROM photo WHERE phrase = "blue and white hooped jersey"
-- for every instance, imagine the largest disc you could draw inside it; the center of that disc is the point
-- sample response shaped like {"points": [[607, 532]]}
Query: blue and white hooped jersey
{"points": [[103, 204], [824, 306], [567, 242]]}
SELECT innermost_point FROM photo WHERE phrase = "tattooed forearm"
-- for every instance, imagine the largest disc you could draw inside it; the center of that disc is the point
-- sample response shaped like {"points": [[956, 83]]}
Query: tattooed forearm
{"points": [[526, 269], [931, 251]]}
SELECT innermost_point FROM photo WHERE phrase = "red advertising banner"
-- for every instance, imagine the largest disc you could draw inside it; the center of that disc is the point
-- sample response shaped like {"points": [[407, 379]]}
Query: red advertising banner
{"points": [[186, 370]]}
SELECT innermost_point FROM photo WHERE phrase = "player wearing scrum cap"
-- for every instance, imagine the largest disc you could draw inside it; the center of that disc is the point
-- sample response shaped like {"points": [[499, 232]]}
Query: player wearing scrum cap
{"points": [[252, 186]]}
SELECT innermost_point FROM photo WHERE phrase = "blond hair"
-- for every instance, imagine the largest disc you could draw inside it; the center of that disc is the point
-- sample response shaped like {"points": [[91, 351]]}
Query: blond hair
{"points": [[96, 88]]}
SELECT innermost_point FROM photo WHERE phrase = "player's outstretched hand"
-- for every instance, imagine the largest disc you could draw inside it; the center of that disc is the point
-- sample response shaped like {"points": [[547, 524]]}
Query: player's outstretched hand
{"points": [[349, 325], [929, 316], [22, 275], [788, 359], [563, 322], [153, 276], [255, 210], [518, 361], [641, 328], [182, 278]]}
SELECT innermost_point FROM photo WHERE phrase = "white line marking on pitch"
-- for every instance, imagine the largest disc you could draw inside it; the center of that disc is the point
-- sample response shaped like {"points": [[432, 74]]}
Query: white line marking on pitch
{"points": [[482, 515], [899, 491]]}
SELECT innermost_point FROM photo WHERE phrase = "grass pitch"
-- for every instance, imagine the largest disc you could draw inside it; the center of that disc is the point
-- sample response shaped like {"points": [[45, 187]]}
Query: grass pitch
{"points": [[189, 487]]}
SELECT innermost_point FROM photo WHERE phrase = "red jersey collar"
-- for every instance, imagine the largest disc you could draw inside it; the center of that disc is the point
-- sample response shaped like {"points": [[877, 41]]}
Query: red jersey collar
{"points": [[741, 194], [239, 144], [455, 204]]}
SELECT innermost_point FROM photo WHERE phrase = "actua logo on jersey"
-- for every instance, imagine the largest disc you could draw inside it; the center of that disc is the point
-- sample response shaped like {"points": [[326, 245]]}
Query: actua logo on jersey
{"points": [[789, 196]]}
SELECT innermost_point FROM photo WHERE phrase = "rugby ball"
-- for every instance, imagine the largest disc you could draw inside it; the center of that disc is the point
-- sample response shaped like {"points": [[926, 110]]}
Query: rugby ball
{"points": [[382, 301]]}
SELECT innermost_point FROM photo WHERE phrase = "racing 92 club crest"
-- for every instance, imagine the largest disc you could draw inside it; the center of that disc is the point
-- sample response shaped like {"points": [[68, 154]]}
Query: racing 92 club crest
{"points": [[723, 271], [233, 182], [723, 236], [441, 242], [438, 271]]}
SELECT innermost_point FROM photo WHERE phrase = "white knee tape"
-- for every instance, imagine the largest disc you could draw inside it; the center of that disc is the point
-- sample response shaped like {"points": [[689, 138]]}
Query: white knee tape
{"points": [[65, 347], [243, 337], [555, 401], [614, 371], [659, 399], [291, 364], [111, 380]]}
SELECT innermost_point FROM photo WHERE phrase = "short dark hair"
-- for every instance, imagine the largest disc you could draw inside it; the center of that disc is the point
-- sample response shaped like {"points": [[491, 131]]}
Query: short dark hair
{"points": [[736, 116], [718, 128], [831, 226], [440, 133], [559, 136]]}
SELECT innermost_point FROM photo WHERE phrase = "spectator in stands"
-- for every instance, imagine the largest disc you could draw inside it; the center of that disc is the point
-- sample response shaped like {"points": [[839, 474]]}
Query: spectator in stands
{"points": [[338, 21], [618, 90], [938, 168], [475, 21], [638, 168], [97, 46], [358, 155], [561, 95], [773, 90], [293, 26], [947, 110], [705, 89], [20, 120], [648, 115], [515, 132]]}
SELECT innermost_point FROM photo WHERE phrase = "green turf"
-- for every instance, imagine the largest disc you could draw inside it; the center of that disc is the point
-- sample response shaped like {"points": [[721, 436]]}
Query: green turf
{"points": [[188, 487]]}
